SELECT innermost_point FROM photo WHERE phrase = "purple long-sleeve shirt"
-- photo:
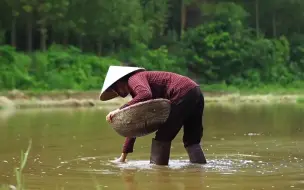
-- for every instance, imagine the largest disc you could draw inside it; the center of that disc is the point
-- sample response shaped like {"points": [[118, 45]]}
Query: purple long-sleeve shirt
{"points": [[146, 85]]}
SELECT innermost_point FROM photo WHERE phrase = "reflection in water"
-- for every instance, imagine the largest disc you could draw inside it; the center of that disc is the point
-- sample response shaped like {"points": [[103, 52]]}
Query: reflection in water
{"points": [[247, 148], [128, 177]]}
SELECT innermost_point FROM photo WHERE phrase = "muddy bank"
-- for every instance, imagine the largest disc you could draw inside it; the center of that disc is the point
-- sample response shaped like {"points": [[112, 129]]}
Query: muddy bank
{"points": [[22, 100]]}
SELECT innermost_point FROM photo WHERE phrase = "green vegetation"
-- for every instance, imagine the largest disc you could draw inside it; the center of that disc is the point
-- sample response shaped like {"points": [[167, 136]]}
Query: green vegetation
{"points": [[275, 89], [225, 45], [300, 100]]}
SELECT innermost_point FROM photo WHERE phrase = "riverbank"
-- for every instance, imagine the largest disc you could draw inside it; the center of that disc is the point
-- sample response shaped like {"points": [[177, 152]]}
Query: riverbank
{"points": [[54, 99]]}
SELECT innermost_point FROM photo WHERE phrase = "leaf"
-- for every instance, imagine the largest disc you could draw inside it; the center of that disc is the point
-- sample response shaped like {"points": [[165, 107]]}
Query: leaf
{"points": [[27, 8], [15, 13]]}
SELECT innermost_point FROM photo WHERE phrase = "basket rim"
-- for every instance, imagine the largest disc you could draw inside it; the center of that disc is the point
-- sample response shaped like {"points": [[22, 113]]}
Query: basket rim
{"points": [[146, 102]]}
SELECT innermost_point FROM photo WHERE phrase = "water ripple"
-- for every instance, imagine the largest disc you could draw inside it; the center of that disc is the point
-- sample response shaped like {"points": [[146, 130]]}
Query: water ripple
{"points": [[223, 164]]}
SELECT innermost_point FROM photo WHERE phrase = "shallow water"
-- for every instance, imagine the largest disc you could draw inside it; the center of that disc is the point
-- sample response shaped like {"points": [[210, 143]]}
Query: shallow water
{"points": [[250, 147]]}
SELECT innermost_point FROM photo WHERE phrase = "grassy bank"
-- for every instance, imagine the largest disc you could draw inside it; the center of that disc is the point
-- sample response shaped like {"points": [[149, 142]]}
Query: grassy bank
{"points": [[53, 99], [296, 89], [213, 94], [209, 90]]}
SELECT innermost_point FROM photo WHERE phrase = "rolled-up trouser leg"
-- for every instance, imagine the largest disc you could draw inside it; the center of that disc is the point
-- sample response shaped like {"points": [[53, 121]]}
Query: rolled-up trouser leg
{"points": [[160, 152], [196, 154]]}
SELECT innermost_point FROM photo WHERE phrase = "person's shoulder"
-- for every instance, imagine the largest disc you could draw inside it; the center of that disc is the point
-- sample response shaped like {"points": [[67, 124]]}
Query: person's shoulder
{"points": [[137, 75], [146, 73], [169, 73], [160, 72]]}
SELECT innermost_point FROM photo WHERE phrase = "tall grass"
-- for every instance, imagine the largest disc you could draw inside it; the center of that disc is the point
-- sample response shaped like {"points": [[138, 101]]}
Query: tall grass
{"points": [[18, 171]]}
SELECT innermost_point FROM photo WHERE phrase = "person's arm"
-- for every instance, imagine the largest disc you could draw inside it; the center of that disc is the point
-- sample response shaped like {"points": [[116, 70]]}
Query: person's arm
{"points": [[142, 91], [141, 88], [127, 148]]}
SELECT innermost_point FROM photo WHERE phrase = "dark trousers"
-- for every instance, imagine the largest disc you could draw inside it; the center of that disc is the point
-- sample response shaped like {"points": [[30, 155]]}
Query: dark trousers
{"points": [[187, 113]]}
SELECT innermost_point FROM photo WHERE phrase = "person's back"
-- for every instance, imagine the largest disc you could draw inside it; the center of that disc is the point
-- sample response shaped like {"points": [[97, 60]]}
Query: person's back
{"points": [[163, 84]]}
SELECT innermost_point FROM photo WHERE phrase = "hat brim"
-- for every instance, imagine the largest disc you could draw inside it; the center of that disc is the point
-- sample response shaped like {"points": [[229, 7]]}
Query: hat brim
{"points": [[108, 95]]}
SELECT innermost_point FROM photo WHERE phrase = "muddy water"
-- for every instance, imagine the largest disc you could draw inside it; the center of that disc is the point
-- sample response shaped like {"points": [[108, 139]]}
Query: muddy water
{"points": [[247, 148]]}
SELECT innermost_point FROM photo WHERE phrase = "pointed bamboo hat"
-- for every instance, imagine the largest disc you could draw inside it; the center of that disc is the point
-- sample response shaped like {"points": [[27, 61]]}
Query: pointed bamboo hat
{"points": [[114, 74]]}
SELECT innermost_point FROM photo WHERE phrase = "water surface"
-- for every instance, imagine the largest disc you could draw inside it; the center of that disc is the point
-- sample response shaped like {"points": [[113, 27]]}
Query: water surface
{"points": [[249, 147]]}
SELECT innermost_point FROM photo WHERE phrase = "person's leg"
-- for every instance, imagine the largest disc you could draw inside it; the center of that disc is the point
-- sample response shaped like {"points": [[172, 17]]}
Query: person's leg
{"points": [[169, 130], [193, 131], [161, 144], [160, 152]]}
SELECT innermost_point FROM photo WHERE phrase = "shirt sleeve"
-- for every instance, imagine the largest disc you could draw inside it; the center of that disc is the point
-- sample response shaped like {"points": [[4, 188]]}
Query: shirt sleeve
{"points": [[141, 89], [142, 92], [128, 145]]}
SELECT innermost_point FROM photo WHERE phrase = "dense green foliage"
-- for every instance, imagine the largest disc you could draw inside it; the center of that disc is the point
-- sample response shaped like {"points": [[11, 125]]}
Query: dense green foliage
{"points": [[69, 44]]}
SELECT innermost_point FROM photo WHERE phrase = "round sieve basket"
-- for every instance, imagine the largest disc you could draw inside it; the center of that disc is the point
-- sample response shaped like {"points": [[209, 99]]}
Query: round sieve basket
{"points": [[142, 118]]}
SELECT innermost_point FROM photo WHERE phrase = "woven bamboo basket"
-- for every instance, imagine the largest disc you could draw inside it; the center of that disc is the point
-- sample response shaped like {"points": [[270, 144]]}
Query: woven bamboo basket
{"points": [[142, 118]]}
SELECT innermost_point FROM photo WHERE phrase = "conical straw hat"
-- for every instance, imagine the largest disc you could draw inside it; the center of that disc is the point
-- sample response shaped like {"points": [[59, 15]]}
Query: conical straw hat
{"points": [[114, 74]]}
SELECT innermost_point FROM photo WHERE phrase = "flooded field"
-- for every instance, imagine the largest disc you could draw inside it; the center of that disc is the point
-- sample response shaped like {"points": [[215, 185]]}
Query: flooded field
{"points": [[249, 147]]}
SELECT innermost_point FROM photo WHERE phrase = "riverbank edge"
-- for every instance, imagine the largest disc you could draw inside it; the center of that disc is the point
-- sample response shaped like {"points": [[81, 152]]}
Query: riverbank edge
{"points": [[69, 99]]}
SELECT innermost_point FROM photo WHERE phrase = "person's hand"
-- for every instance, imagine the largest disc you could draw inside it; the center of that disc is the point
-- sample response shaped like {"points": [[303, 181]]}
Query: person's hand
{"points": [[121, 159], [110, 115]]}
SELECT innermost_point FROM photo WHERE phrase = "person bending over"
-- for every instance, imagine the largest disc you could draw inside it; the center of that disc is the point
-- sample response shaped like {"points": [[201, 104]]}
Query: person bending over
{"points": [[187, 108]]}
